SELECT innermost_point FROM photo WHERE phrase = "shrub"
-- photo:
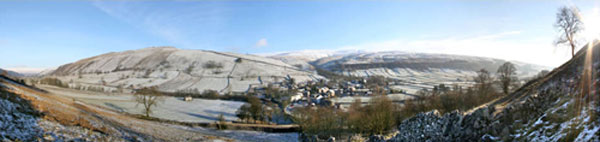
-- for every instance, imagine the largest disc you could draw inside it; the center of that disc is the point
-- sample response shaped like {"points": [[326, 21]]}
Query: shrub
{"points": [[221, 123], [376, 118], [210, 94], [212, 65], [189, 69], [323, 121]]}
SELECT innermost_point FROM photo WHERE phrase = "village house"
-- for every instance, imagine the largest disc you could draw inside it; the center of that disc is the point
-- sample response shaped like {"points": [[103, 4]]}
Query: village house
{"points": [[187, 98]]}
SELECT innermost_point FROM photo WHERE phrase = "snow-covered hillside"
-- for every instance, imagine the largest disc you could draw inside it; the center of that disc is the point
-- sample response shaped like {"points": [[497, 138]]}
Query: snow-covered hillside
{"points": [[419, 68], [174, 69], [305, 57]]}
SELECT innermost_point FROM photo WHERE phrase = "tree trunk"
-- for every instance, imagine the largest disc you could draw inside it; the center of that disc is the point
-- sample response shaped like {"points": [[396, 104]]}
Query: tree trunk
{"points": [[572, 51], [148, 112]]}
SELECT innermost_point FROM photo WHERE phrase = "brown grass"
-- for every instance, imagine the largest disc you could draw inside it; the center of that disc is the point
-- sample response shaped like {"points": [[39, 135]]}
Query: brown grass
{"points": [[70, 112], [59, 110]]}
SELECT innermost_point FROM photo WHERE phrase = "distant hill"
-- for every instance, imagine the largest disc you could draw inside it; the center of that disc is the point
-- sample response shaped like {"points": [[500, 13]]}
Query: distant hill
{"points": [[362, 63], [173, 69], [11, 73], [418, 68]]}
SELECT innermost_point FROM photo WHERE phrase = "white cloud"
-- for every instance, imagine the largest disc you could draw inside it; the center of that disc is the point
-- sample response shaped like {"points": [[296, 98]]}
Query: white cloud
{"points": [[181, 26], [261, 43]]}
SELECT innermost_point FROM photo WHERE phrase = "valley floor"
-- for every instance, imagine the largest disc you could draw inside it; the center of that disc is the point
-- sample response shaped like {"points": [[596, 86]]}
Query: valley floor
{"points": [[171, 108], [175, 109], [64, 108]]}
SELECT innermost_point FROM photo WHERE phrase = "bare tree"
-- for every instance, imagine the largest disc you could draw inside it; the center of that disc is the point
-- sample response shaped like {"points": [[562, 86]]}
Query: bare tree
{"points": [[484, 81], [221, 123], [568, 24], [148, 97], [507, 76]]}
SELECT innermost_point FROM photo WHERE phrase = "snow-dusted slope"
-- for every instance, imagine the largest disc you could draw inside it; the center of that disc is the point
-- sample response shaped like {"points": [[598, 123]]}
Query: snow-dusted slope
{"points": [[174, 69], [46, 71], [305, 57], [417, 67], [360, 62]]}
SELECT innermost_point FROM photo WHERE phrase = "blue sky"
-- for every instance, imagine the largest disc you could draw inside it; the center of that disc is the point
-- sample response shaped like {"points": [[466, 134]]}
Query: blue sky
{"points": [[36, 34]]}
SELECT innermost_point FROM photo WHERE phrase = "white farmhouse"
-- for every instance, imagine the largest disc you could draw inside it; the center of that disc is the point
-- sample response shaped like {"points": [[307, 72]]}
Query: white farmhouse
{"points": [[187, 98]]}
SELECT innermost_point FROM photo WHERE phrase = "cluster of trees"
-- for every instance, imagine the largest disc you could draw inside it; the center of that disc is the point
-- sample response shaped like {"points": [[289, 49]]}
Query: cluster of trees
{"points": [[377, 117], [92, 88], [217, 66], [446, 99], [208, 94], [257, 112], [214, 65], [54, 82], [251, 111], [190, 68]]}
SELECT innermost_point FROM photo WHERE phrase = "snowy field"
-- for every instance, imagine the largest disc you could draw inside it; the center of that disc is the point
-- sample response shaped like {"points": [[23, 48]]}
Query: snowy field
{"points": [[171, 108]]}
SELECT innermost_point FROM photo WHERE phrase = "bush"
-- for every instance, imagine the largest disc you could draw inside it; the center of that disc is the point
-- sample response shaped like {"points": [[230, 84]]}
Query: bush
{"points": [[221, 123], [189, 69], [212, 65], [324, 121], [210, 94], [376, 118]]}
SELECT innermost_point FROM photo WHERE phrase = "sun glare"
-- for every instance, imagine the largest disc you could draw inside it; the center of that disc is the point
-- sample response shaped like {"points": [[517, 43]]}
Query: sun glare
{"points": [[591, 22]]}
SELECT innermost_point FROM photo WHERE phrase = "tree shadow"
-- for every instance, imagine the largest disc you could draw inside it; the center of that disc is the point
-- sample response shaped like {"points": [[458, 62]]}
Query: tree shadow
{"points": [[200, 116], [113, 106], [219, 113]]}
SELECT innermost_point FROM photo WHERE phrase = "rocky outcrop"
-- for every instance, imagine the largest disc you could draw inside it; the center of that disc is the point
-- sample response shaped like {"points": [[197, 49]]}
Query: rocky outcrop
{"points": [[432, 126]]}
